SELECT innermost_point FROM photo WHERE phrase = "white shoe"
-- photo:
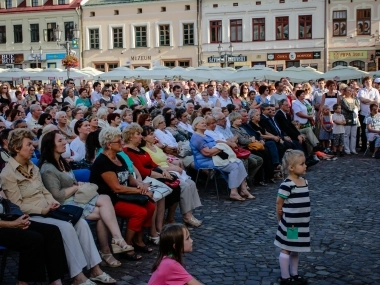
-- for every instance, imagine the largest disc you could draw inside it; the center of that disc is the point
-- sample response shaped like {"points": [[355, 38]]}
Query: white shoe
{"points": [[315, 157], [354, 152]]}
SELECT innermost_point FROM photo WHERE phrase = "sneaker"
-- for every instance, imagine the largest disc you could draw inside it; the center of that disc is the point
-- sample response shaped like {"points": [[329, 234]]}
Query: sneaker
{"points": [[354, 152], [301, 280], [315, 157], [289, 281]]}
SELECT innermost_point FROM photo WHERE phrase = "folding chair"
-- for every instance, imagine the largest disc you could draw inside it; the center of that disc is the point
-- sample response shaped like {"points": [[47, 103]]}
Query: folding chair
{"points": [[82, 175], [216, 172], [3, 262]]}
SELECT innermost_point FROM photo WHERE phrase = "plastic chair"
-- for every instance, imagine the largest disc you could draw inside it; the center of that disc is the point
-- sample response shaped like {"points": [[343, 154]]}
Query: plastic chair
{"points": [[82, 175], [3, 262]]}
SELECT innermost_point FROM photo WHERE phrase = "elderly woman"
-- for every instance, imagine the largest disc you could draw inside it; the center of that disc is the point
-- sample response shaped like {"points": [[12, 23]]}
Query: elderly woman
{"points": [[77, 115], [126, 117], [83, 99], [110, 172], [171, 123], [106, 96], [165, 137], [144, 120], [245, 139], [71, 98], [189, 193], [59, 179], [145, 165], [304, 113], [65, 130], [23, 186], [203, 148], [134, 99], [350, 111], [124, 97], [102, 117], [81, 129], [114, 120]]}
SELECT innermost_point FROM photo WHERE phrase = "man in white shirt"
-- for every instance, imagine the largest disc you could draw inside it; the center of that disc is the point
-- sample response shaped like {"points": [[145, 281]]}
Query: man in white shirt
{"points": [[211, 93], [32, 122], [116, 98], [185, 93], [367, 96], [96, 95]]}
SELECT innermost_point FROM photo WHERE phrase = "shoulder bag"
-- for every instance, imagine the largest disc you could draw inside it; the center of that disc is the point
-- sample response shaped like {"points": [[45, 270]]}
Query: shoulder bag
{"points": [[85, 193], [133, 198], [67, 213], [159, 189], [255, 146], [8, 210], [241, 152]]}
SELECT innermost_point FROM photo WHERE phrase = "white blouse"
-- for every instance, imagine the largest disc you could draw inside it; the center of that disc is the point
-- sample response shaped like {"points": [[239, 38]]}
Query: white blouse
{"points": [[165, 138]]}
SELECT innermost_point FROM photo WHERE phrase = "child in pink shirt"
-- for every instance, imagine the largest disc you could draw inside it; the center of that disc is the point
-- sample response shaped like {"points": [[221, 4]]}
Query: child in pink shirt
{"points": [[169, 268]]}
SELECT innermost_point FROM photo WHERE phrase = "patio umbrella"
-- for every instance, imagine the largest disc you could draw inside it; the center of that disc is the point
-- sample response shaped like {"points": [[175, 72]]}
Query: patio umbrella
{"points": [[118, 73], [344, 73], [14, 74], [375, 74], [254, 73], [92, 71], [33, 69], [58, 74], [157, 72], [203, 73], [300, 74]]}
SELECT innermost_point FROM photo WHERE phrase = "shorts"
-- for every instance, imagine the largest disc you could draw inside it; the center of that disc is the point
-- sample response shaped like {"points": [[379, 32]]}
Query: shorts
{"points": [[338, 139]]}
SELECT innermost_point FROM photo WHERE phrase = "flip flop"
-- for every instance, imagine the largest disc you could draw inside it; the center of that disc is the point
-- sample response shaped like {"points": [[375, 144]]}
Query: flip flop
{"points": [[241, 199]]}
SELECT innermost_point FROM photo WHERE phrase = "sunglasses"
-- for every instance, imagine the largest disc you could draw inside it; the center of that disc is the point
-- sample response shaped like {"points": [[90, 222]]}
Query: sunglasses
{"points": [[111, 108], [172, 119]]}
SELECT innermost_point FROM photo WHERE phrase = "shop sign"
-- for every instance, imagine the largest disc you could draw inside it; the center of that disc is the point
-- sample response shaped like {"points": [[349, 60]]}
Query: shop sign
{"points": [[337, 55], [51, 56], [141, 57], [377, 52], [294, 55], [213, 59], [11, 58]]}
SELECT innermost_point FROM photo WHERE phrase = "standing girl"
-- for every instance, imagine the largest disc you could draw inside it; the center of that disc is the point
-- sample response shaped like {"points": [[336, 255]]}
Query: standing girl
{"points": [[325, 133], [169, 267], [293, 214]]}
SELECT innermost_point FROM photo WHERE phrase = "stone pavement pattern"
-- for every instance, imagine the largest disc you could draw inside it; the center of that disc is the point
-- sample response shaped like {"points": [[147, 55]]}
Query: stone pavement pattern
{"points": [[234, 246]]}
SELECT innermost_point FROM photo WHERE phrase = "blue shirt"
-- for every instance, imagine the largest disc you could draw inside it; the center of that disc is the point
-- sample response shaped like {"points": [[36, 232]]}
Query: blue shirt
{"points": [[198, 142]]}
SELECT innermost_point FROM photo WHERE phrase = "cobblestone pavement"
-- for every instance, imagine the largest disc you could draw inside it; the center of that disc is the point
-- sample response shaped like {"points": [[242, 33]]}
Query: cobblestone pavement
{"points": [[235, 243]]}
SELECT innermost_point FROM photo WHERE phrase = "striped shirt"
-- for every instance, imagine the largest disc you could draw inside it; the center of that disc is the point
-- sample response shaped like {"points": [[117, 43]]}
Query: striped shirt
{"points": [[296, 214]]}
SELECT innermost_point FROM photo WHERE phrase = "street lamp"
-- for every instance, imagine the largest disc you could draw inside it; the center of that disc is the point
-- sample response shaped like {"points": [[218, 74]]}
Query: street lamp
{"points": [[36, 56], [224, 54], [68, 44]]}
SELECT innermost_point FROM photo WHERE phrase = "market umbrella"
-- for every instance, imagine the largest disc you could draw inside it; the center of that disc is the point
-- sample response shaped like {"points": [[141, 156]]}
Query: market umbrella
{"points": [[300, 74], [157, 72], [344, 73], [58, 74], [257, 72], [204, 73], [14, 74], [375, 74], [118, 73], [92, 71]]}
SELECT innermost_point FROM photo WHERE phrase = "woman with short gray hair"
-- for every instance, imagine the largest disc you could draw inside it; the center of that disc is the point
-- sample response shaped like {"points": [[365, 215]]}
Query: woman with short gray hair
{"points": [[65, 130], [102, 117]]}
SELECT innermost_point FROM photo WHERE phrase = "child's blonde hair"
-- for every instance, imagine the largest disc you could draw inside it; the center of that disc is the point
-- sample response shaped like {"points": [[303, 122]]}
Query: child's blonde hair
{"points": [[324, 107], [290, 157]]}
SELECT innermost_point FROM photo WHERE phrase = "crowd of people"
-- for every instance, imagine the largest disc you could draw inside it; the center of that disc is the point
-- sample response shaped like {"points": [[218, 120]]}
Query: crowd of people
{"points": [[125, 134]]}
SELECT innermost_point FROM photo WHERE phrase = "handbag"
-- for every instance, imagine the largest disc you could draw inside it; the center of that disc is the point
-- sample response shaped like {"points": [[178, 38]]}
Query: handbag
{"points": [[184, 149], [241, 152], [160, 190], [255, 146], [85, 193], [8, 210], [67, 213], [172, 183], [133, 198]]}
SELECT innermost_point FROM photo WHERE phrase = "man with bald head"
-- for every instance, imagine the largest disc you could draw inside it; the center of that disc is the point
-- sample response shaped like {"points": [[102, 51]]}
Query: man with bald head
{"points": [[47, 97]]}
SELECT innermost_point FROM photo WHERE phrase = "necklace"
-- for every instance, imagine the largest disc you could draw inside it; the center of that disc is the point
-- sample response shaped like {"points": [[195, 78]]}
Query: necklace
{"points": [[114, 160], [25, 172], [61, 166]]}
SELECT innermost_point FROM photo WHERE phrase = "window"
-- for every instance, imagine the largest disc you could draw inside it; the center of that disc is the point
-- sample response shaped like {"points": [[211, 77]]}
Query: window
{"points": [[8, 4], [282, 1], [69, 27], [236, 27], [112, 66], [235, 4], [184, 63], [139, 10], [214, 5], [92, 14], [258, 2], [34, 33], [170, 64], [61, 2], [358, 63], [34, 65], [94, 38], [163, 9], [339, 23], [49, 32], [187, 7], [258, 28], [282, 28], [140, 37], [116, 12], [342, 63], [295, 63], [363, 18], [215, 32], [164, 35], [34, 3], [3, 35], [100, 67], [188, 34], [304, 23], [17, 33], [117, 37]]}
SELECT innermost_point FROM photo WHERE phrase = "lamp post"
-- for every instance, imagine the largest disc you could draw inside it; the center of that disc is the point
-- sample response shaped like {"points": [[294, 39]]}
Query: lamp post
{"points": [[36, 56], [224, 54]]}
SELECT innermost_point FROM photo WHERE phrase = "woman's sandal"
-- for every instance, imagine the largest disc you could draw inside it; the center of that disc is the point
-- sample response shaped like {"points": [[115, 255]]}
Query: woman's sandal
{"points": [[131, 257], [193, 222], [103, 278], [105, 260], [117, 246], [145, 248], [154, 240], [250, 196], [241, 199]]}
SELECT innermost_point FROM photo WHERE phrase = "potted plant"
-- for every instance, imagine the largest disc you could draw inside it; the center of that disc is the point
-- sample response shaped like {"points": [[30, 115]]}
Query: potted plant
{"points": [[70, 61]]}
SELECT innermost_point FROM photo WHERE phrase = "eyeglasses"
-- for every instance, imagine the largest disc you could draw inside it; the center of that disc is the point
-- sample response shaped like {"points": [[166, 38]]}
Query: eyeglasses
{"points": [[71, 82], [147, 120], [48, 118], [172, 119], [119, 141], [111, 108], [266, 89], [109, 90], [161, 122]]}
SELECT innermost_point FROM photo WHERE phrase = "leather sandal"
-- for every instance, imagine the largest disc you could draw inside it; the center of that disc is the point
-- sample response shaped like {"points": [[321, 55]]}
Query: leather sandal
{"points": [[117, 246], [103, 278], [144, 248], [193, 222], [106, 260]]}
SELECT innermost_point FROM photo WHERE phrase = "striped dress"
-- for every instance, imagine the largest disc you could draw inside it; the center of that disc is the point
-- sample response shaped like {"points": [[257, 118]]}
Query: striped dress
{"points": [[296, 214]]}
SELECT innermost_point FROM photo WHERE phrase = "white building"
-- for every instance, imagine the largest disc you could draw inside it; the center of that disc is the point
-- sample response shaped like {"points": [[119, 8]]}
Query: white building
{"points": [[274, 33], [26, 24]]}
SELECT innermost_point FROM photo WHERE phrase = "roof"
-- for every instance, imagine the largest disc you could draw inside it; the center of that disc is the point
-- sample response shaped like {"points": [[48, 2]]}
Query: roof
{"points": [[48, 6], [108, 2]]}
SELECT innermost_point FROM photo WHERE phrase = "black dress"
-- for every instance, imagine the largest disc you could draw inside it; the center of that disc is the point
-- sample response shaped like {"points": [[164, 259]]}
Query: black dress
{"points": [[4, 100]]}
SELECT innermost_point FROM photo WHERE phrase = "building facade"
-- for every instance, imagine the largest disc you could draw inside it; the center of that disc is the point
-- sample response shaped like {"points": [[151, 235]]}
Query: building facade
{"points": [[353, 34], [139, 33], [30, 24], [273, 33]]}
